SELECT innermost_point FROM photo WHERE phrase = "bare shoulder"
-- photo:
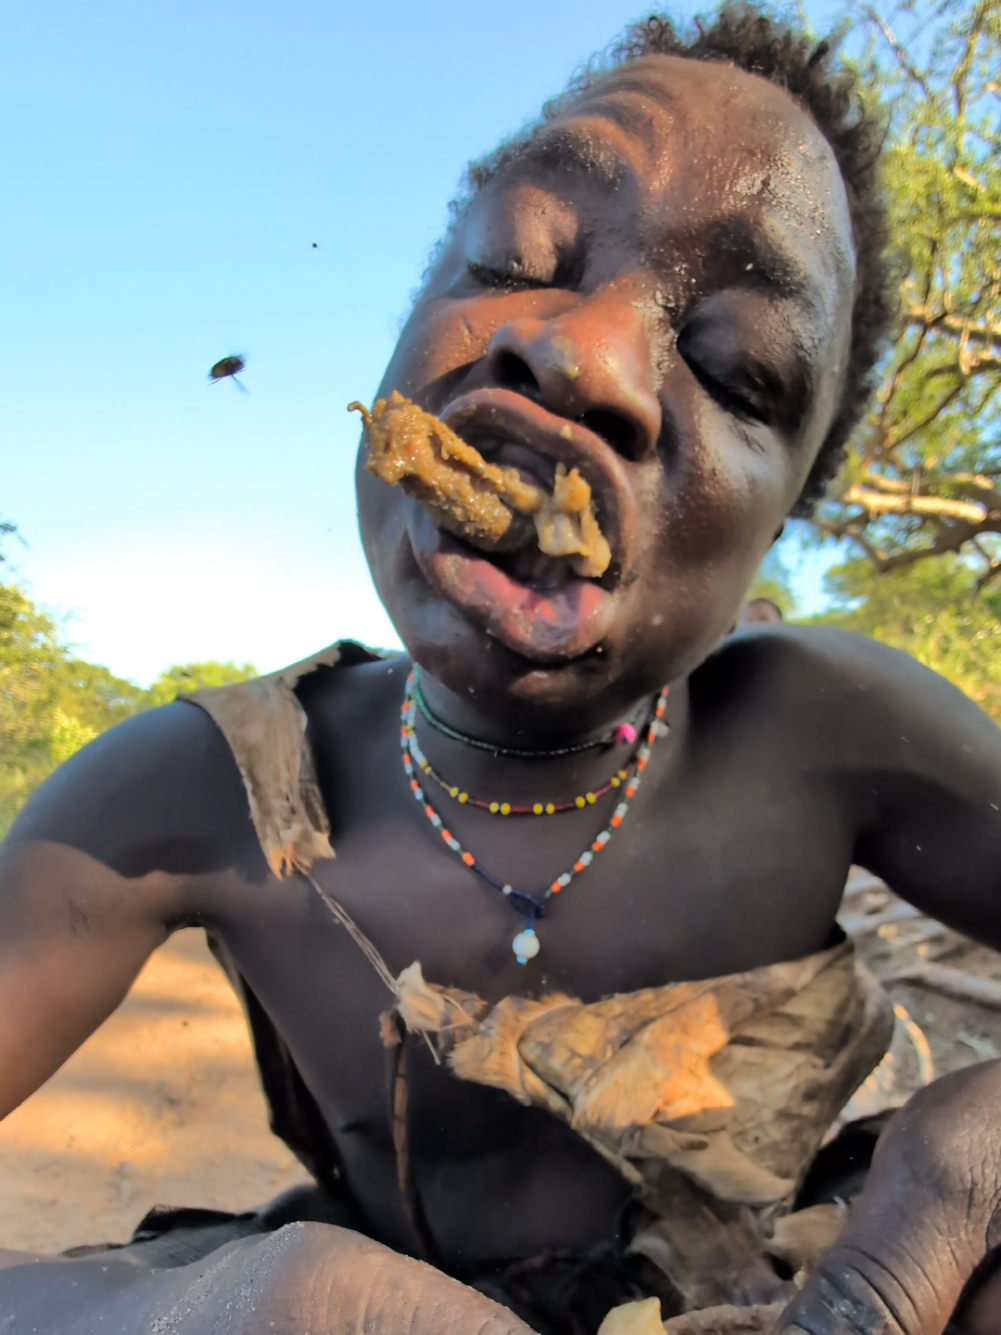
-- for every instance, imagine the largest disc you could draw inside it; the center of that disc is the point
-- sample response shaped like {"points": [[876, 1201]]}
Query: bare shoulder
{"points": [[360, 697], [159, 792], [162, 792], [890, 734], [826, 669], [360, 685]]}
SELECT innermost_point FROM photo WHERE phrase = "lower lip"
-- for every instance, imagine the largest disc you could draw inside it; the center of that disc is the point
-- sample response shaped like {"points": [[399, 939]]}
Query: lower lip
{"points": [[552, 625]]}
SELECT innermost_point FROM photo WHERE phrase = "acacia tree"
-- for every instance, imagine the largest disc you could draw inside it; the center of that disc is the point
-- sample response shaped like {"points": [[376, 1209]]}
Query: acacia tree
{"points": [[924, 471]]}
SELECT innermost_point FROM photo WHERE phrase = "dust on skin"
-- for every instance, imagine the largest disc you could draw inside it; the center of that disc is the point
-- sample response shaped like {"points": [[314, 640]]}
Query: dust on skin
{"points": [[490, 507], [629, 265]]}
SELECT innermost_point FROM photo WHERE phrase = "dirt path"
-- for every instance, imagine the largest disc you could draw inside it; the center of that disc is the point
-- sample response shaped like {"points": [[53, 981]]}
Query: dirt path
{"points": [[161, 1105]]}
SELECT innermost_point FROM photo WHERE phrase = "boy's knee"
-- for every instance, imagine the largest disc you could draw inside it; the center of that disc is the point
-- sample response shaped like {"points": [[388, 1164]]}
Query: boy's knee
{"points": [[322, 1278]]}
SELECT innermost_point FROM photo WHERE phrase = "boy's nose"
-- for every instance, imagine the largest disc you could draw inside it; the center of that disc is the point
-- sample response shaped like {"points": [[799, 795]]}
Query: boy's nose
{"points": [[591, 364]]}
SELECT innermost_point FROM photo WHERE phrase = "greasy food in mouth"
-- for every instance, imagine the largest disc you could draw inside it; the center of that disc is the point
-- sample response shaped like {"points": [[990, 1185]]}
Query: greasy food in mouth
{"points": [[490, 507]]}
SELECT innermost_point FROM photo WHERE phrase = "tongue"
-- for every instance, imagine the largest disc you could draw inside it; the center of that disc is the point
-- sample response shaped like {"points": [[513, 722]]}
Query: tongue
{"points": [[534, 569]]}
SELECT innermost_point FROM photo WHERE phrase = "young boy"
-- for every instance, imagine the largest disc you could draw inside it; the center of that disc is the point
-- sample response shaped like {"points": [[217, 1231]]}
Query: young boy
{"points": [[674, 284]]}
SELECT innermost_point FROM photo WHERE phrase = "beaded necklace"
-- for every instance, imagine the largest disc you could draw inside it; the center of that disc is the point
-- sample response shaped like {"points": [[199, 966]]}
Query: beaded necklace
{"points": [[624, 733], [526, 944], [495, 808]]}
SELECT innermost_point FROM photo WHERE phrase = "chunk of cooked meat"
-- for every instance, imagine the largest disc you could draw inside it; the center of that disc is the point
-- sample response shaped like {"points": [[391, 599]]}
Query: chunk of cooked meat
{"points": [[488, 506]]}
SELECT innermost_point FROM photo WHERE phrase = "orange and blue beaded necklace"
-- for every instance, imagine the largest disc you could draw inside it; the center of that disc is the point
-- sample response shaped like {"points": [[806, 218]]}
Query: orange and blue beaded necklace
{"points": [[526, 944]]}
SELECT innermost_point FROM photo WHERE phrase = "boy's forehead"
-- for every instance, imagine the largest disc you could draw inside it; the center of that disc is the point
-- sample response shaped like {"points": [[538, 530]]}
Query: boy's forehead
{"points": [[700, 141]]}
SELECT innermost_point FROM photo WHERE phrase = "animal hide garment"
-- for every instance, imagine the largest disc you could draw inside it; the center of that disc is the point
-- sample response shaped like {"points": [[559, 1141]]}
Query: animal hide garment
{"points": [[711, 1098]]}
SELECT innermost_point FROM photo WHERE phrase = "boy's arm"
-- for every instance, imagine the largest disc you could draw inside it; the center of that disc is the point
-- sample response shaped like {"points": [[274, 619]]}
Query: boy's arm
{"points": [[929, 796], [930, 1212], [115, 850], [910, 766], [922, 766]]}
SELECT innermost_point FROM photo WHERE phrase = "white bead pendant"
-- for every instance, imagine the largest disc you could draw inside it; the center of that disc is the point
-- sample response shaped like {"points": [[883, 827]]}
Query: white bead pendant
{"points": [[526, 945]]}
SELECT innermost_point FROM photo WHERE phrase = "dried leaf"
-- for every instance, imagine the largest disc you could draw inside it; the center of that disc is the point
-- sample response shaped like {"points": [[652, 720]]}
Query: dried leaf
{"points": [[800, 1238], [715, 1163], [491, 1056], [642, 1318], [423, 1009]]}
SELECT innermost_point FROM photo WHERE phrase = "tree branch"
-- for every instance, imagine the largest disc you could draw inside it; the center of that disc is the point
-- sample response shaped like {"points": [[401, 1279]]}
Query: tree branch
{"points": [[983, 361], [938, 400], [890, 38], [924, 318], [939, 507], [962, 71], [927, 420], [992, 571], [850, 530], [961, 174], [979, 486], [950, 539], [891, 485], [906, 363]]}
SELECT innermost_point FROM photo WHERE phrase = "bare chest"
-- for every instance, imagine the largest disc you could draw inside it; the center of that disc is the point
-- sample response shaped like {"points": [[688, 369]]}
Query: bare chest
{"points": [[678, 893]]}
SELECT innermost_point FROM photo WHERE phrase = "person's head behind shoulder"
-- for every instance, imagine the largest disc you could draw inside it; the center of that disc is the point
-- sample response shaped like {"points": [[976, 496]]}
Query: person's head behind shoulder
{"points": [[675, 282], [760, 612]]}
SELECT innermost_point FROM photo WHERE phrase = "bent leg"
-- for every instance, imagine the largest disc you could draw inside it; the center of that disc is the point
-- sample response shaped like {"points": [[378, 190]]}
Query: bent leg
{"points": [[305, 1277]]}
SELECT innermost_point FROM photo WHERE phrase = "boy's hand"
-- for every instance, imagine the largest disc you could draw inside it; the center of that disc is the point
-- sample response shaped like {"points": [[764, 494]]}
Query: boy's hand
{"points": [[305, 1277], [928, 1216]]}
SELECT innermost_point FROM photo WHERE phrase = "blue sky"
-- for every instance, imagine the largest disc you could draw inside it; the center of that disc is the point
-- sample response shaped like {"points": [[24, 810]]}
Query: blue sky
{"points": [[167, 169]]}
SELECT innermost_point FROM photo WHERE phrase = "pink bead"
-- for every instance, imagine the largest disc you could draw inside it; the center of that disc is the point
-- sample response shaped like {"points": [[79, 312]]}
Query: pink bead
{"points": [[625, 734]]}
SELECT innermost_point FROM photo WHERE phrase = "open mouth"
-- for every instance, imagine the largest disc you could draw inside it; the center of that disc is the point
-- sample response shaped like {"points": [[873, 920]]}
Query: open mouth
{"points": [[533, 603]]}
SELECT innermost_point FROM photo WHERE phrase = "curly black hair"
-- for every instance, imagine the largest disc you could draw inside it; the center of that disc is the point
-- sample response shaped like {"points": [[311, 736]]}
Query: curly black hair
{"points": [[747, 36]]}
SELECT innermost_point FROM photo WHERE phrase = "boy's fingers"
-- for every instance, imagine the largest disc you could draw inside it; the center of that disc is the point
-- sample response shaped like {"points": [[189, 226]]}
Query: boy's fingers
{"points": [[928, 1216], [858, 1292]]}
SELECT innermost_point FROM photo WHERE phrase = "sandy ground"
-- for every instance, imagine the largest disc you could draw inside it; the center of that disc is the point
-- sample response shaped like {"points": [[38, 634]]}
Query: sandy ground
{"points": [[959, 1032], [161, 1105]]}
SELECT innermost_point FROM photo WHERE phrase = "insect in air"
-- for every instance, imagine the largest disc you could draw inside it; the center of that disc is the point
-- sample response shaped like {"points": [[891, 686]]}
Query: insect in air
{"points": [[229, 367]]}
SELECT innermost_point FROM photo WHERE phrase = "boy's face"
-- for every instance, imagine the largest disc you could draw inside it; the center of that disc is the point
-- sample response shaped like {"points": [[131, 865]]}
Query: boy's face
{"points": [[659, 292]]}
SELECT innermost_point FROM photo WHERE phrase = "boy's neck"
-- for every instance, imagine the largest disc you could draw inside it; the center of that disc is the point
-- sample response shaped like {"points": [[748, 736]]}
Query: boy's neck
{"points": [[539, 770]]}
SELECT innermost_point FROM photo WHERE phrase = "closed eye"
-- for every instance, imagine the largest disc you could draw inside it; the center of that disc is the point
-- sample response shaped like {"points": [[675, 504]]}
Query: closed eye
{"points": [[568, 275], [749, 392], [729, 397], [505, 279]]}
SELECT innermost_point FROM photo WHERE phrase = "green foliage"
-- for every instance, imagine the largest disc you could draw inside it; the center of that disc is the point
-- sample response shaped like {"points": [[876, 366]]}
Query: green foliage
{"points": [[188, 677], [932, 610], [924, 474], [773, 581], [53, 703], [921, 495]]}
